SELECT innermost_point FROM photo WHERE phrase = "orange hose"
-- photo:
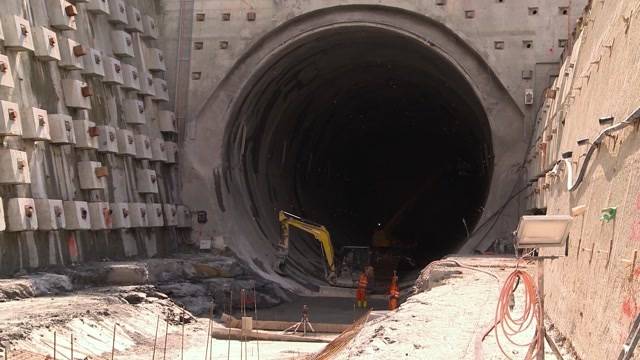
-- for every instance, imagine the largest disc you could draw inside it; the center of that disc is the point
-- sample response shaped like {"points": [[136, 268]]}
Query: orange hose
{"points": [[511, 324]]}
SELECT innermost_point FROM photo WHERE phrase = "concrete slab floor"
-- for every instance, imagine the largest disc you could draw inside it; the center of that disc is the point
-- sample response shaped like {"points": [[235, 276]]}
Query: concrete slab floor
{"points": [[337, 310]]}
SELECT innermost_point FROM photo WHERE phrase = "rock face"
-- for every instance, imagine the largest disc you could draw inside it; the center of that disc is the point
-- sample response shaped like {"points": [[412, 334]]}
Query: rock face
{"points": [[41, 284], [192, 280], [268, 294], [127, 274], [135, 297]]}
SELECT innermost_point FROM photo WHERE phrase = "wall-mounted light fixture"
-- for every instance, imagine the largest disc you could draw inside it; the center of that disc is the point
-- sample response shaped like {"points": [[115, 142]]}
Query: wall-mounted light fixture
{"points": [[543, 231]]}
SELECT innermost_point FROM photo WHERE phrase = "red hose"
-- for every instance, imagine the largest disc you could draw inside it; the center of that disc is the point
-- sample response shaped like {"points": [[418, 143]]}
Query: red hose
{"points": [[511, 324]]}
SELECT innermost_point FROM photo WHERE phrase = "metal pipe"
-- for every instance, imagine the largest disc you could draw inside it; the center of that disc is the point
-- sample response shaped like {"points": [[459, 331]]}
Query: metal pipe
{"points": [[182, 340], [155, 338], [206, 350], [113, 342], [166, 335]]}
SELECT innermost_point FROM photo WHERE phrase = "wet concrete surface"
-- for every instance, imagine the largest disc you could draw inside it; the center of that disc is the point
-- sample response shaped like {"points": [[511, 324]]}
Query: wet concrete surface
{"points": [[337, 310]]}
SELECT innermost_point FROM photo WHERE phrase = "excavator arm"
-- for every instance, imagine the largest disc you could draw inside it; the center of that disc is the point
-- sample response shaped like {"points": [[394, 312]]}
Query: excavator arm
{"points": [[319, 232]]}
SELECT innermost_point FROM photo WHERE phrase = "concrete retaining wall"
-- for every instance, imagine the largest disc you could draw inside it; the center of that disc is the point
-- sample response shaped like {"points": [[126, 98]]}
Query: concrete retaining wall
{"points": [[53, 167]]}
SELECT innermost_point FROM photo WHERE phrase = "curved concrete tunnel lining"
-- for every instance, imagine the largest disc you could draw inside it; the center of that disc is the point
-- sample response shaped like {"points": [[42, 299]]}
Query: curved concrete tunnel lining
{"points": [[307, 136]]}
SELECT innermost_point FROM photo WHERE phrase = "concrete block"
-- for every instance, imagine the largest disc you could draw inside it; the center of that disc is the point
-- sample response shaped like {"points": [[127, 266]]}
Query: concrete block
{"points": [[167, 121], [171, 149], [92, 175], [170, 214], [71, 54], [138, 214], [76, 215], [62, 14], [107, 139], [46, 44], [14, 168], [21, 215], [154, 214], [6, 75], [10, 123], [100, 213], [158, 152], [184, 218], [112, 71], [122, 44], [134, 20], [146, 85], [126, 142], [3, 226], [134, 112], [77, 94], [131, 77], [120, 216], [127, 274], [61, 129], [117, 12], [50, 214], [150, 28], [161, 89], [155, 60], [35, 126], [100, 7], [143, 147], [146, 181], [93, 63], [86, 134], [17, 33]]}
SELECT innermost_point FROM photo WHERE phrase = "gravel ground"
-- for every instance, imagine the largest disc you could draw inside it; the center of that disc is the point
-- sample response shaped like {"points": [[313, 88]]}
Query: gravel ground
{"points": [[90, 316]]}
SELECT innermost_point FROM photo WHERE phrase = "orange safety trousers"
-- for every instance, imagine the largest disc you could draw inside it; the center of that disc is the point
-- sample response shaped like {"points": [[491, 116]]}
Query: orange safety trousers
{"points": [[361, 293], [394, 293]]}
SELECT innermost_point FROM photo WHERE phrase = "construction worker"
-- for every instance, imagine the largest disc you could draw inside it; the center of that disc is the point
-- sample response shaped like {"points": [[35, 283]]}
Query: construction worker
{"points": [[361, 293], [394, 292]]}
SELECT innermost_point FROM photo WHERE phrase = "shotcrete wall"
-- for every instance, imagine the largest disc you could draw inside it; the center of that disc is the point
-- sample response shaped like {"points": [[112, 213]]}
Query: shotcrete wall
{"points": [[592, 294]]}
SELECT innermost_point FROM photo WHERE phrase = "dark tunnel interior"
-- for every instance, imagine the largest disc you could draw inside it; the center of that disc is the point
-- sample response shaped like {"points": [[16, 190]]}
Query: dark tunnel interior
{"points": [[363, 129]]}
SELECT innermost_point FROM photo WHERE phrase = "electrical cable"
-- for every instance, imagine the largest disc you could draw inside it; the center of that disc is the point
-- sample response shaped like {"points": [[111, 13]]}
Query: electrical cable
{"points": [[630, 120], [572, 185], [633, 118]]}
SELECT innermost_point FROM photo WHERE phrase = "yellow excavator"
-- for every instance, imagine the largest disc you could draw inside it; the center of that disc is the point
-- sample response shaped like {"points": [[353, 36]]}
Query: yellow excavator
{"points": [[318, 231]]}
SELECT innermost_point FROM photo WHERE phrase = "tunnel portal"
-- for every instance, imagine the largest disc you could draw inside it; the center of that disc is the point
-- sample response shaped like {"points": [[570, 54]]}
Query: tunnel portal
{"points": [[361, 128]]}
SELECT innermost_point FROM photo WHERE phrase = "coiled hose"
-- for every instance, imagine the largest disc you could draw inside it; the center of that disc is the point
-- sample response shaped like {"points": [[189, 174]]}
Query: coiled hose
{"points": [[508, 324]]}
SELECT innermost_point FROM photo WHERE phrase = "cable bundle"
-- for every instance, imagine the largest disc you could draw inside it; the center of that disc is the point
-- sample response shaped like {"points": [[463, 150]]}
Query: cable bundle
{"points": [[512, 324]]}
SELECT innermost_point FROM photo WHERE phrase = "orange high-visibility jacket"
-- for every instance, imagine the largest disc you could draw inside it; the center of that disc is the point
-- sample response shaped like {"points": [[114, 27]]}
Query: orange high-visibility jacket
{"points": [[363, 281], [393, 288]]}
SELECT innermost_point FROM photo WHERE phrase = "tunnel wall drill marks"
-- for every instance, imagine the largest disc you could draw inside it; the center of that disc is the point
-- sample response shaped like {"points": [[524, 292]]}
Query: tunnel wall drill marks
{"points": [[592, 294]]}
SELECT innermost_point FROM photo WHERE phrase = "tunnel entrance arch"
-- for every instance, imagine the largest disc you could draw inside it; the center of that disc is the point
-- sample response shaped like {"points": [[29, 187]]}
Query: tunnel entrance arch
{"points": [[352, 116]]}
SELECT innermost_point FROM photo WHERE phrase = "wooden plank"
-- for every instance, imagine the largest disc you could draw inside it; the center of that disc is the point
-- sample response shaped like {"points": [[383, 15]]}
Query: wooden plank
{"points": [[329, 328], [237, 334]]}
